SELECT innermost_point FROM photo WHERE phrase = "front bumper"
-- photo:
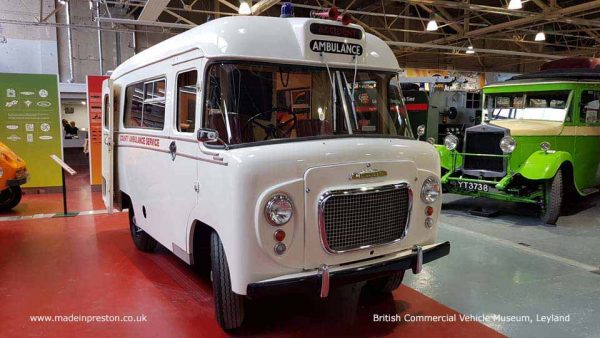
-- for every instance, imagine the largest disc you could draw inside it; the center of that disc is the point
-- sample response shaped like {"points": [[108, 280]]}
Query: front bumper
{"points": [[17, 181], [319, 281]]}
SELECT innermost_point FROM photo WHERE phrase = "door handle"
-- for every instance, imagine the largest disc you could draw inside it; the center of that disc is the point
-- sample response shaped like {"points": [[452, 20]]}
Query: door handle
{"points": [[173, 150]]}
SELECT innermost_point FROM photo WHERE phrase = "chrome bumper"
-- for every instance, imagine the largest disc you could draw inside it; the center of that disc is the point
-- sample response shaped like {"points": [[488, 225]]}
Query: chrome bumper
{"points": [[320, 281]]}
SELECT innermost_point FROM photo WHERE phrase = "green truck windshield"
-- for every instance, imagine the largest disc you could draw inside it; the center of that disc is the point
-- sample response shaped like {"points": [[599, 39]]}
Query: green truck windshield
{"points": [[546, 105]]}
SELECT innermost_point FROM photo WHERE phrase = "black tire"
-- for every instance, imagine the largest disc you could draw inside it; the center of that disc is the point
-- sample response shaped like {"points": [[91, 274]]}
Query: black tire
{"points": [[141, 239], [10, 197], [229, 306], [386, 284], [553, 199]]}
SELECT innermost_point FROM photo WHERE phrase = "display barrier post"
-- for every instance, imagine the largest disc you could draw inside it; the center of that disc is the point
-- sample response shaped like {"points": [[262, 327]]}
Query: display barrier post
{"points": [[64, 167]]}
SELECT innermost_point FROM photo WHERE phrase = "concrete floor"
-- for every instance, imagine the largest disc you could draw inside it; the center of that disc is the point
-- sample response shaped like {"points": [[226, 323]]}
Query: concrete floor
{"points": [[512, 264]]}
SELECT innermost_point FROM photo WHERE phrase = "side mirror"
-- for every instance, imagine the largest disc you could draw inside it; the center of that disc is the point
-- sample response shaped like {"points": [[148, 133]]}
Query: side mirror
{"points": [[207, 135], [420, 131]]}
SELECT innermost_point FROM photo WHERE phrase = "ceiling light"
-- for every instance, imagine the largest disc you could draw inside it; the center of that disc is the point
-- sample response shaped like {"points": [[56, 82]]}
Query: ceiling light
{"points": [[470, 50], [244, 8], [515, 4], [83, 102], [62, 2], [432, 26], [541, 36]]}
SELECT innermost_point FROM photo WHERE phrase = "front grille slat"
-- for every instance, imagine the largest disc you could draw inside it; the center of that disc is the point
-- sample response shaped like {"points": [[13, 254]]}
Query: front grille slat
{"points": [[483, 143], [358, 218]]}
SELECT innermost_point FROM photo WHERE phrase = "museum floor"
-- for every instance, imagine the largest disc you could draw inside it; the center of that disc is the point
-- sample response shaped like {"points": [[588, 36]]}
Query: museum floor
{"points": [[510, 265]]}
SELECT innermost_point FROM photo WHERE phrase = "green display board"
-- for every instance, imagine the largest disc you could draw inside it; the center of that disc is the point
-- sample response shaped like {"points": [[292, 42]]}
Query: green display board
{"points": [[30, 124]]}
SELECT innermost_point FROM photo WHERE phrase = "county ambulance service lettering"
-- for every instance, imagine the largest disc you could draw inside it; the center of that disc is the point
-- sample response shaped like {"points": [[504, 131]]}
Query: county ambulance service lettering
{"points": [[142, 140], [335, 47]]}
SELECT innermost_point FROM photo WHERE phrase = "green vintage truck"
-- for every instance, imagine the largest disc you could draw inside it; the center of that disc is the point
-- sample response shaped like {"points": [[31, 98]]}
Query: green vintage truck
{"points": [[539, 142]]}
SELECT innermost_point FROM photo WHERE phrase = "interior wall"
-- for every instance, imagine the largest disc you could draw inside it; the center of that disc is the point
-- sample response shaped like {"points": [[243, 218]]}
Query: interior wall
{"points": [[80, 114], [28, 49]]}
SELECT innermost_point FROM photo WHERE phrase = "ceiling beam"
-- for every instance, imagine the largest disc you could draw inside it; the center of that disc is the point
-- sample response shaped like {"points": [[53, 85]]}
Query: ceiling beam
{"points": [[477, 50], [545, 16], [262, 6], [152, 10]]}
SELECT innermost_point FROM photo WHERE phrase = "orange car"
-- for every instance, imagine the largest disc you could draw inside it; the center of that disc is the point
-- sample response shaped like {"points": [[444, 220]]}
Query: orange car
{"points": [[13, 174]]}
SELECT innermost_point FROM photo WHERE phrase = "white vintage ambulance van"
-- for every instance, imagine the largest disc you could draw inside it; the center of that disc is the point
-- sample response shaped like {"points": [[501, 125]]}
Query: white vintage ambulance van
{"points": [[276, 150]]}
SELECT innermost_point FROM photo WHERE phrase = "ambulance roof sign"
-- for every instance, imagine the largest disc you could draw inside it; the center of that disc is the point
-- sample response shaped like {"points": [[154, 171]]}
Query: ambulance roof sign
{"points": [[335, 47]]}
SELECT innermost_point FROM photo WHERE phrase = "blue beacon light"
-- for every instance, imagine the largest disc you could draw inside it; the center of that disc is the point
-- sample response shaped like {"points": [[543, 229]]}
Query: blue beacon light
{"points": [[287, 10]]}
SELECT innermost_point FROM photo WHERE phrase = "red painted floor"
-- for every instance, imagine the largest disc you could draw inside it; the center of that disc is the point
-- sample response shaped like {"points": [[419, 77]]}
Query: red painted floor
{"points": [[87, 265], [79, 198]]}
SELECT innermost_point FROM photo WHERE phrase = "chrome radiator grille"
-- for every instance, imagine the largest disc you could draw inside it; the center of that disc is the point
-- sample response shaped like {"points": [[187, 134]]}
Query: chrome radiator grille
{"points": [[354, 219]]}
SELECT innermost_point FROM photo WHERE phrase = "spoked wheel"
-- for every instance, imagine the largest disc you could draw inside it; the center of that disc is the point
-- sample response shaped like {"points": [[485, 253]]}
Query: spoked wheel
{"points": [[141, 239], [10, 197], [279, 130], [553, 199]]}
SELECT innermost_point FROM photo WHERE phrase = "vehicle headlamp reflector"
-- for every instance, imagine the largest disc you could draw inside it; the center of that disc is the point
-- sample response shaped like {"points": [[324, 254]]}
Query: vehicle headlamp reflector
{"points": [[451, 142], [508, 144], [545, 146], [279, 210], [431, 190]]}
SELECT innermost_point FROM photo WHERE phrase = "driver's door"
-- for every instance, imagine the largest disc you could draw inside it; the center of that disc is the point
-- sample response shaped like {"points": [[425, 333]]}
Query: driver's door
{"points": [[107, 145]]}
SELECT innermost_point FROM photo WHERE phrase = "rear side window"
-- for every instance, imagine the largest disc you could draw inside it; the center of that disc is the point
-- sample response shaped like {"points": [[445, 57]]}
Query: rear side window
{"points": [[145, 105]]}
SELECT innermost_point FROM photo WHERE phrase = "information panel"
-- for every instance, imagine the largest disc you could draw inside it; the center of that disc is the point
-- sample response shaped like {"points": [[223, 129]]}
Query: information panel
{"points": [[94, 97], [30, 124]]}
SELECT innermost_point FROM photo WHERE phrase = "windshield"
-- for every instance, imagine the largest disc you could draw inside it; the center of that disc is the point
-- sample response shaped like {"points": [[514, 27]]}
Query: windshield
{"points": [[547, 105], [248, 103]]}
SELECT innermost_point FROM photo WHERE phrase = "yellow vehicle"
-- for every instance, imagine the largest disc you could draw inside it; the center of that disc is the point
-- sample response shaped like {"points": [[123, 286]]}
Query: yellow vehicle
{"points": [[13, 174]]}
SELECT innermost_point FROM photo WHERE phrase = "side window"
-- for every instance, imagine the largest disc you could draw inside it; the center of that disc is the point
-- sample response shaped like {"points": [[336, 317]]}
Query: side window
{"points": [[106, 115], [154, 105], [186, 101], [145, 105], [589, 106], [473, 100]]}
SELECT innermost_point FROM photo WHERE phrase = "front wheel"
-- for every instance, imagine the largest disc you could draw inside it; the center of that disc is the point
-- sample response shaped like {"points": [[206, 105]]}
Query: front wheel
{"points": [[10, 197], [553, 198], [229, 306]]}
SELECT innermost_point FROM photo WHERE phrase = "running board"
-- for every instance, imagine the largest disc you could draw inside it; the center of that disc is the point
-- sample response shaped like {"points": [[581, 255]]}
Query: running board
{"points": [[589, 191]]}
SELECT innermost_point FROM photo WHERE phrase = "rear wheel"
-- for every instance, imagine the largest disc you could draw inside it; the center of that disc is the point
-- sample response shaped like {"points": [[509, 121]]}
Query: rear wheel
{"points": [[386, 284], [553, 199], [141, 239], [229, 306], [10, 197]]}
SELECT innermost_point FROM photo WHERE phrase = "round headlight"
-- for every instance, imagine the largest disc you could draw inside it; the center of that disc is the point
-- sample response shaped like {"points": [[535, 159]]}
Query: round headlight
{"points": [[279, 210], [508, 144], [431, 190], [451, 142], [545, 146]]}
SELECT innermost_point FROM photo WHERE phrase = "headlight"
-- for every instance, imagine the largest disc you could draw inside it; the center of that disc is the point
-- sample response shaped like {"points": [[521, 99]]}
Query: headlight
{"points": [[430, 190], [451, 142], [279, 210], [545, 146], [508, 144]]}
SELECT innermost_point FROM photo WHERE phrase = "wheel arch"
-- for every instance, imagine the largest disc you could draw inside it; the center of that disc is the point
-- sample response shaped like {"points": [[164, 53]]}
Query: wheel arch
{"points": [[544, 166], [199, 243]]}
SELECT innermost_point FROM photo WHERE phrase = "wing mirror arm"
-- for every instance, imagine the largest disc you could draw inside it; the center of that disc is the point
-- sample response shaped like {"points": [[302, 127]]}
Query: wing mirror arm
{"points": [[206, 135]]}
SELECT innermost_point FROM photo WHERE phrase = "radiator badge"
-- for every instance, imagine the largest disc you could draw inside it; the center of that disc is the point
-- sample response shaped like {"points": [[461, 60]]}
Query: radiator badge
{"points": [[368, 173]]}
